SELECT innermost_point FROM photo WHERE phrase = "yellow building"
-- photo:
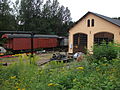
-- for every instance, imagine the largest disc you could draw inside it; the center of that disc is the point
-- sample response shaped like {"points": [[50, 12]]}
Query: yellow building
{"points": [[92, 28]]}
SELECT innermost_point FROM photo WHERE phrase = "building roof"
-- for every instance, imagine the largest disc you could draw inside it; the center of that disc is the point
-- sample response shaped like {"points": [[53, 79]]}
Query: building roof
{"points": [[114, 21], [111, 20], [28, 36]]}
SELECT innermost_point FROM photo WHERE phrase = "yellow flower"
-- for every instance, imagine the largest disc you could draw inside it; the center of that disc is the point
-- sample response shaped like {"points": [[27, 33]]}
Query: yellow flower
{"points": [[51, 84], [80, 68], [18, 89], [104, 64], [97, 69], [13, 77]]}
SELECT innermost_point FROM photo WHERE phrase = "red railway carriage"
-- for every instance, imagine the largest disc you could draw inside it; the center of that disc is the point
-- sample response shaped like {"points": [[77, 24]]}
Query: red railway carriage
{"points": [[23, 41]]}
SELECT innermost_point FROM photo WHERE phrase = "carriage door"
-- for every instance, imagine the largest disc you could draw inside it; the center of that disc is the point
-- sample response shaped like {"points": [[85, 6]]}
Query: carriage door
{"points": [[79, 42], [103, 36]]}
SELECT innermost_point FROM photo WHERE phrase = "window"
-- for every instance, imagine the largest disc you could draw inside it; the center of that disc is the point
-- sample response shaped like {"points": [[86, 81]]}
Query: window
{"points": [[76, 39], [92, 22], [103, 36], [88, 22]]}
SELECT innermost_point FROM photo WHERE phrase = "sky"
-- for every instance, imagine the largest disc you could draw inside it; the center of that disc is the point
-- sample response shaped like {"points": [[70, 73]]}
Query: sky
{"points": [[78, 8]]}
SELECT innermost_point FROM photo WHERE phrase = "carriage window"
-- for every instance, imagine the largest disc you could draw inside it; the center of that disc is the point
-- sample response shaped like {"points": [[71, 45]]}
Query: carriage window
{"points": [[92, 22], [88, 22]]}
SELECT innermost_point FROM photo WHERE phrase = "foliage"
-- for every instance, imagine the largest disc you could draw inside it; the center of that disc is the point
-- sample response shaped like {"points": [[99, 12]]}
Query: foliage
{"points": [[2, 41], [35, 15], [106, 52], [7, 20], [45, 17], [61, 76]]}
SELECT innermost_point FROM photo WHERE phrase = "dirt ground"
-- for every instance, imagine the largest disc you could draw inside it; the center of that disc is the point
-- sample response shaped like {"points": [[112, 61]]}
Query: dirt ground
{"points": [[43, 58]]}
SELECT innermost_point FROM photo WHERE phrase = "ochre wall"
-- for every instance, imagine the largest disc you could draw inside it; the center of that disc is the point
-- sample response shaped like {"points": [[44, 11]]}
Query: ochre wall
{"points": [[100, 25]]}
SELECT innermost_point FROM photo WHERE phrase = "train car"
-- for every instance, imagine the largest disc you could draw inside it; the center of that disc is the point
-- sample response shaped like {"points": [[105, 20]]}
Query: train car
{"points": [[23, 41], [63, 41]]}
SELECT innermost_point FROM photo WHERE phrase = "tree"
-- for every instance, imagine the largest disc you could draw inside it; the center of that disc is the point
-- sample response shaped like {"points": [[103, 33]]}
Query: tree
{"points": [[26, 13], [47, 18], [57, 17], [7, 20]]}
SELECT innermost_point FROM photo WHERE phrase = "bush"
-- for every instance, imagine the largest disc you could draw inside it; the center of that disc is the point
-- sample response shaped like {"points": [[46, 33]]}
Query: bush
{"points": [[106, 52]]}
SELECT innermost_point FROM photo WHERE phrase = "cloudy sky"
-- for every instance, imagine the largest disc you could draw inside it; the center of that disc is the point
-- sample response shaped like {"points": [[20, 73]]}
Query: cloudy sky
{"points": [[78, 8]]}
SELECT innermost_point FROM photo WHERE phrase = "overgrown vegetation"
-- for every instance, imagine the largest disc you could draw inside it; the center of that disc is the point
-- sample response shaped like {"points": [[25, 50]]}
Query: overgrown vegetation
{"points": [[85, 75], [106, 52]]}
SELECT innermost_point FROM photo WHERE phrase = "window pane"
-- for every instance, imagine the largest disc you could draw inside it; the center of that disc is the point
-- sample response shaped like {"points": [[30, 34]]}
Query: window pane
{"points": [[76, 39], [88, 23], [92, 22]]}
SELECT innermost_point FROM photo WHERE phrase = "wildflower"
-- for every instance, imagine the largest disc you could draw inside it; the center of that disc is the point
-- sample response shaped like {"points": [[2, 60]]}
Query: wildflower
{"points": [[80, 68], [104, 64], [97, 69], [13, 77], [18, 89], [51, 84], [23, 88]]}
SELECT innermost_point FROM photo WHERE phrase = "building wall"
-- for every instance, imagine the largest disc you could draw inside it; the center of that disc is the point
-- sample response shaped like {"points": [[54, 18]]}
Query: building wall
{"points": [[100, 25]]}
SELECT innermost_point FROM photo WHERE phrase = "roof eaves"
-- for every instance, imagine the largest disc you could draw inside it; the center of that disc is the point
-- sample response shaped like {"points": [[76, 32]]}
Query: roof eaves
{"points": [[29, 36], [111, 20]]}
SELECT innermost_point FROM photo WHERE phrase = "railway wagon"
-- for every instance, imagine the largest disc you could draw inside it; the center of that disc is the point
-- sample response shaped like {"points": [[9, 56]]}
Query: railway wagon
{"points": [[23, 41], [63, 41]]}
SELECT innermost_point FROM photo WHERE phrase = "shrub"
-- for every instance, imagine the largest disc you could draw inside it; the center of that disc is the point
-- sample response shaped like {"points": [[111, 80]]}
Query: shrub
{"points": [[105, 52]]}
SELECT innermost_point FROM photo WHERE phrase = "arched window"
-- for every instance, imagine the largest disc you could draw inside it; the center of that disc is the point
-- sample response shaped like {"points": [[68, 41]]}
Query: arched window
{"points": [[88, 22], [103, 36], [92, 22]]}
